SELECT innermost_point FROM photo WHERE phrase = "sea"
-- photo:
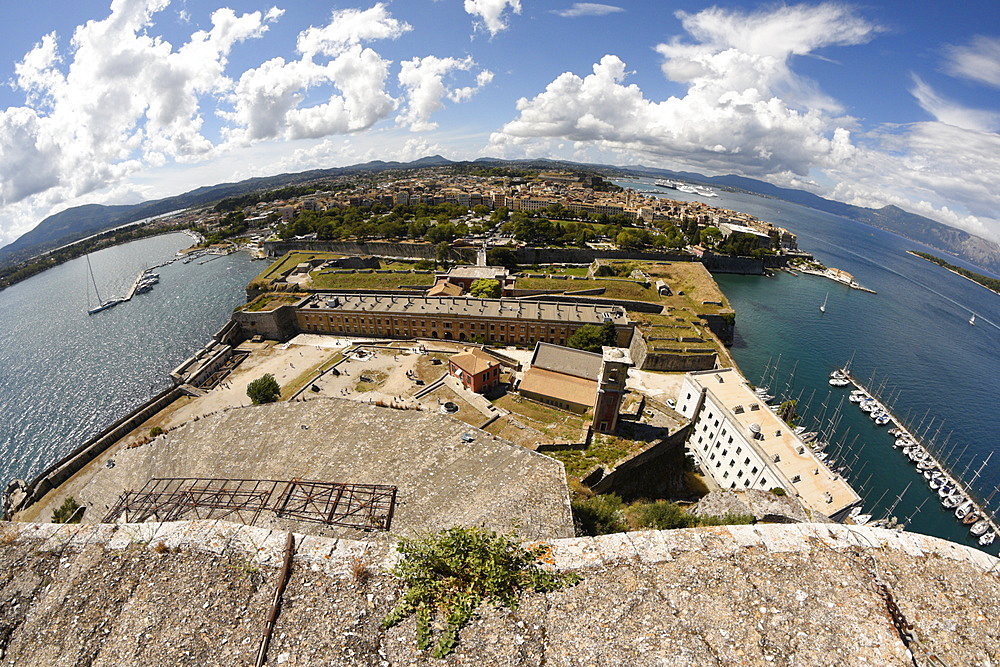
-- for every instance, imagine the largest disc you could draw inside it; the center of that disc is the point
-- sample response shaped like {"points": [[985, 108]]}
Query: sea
{"points": [[912, 342], [66, 375]]}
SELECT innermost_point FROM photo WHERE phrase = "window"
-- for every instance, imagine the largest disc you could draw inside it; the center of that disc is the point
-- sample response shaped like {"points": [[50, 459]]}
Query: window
{"points": [[746, 462], [726, 475], [740, 474], [739, 450], [730, 440], [753, 471], [796, 478]]}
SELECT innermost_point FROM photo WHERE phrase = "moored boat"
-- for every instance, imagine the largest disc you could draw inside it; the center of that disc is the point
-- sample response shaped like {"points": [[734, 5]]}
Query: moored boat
{"points": [[980, 527], [987, 539]]}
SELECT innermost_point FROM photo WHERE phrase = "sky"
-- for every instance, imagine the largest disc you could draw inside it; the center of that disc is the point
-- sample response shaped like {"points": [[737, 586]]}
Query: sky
{"points": [[888, 102]]}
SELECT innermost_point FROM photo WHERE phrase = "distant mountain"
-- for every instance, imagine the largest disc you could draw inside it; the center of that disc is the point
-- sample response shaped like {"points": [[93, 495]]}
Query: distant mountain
{"points": [[83, 221]]}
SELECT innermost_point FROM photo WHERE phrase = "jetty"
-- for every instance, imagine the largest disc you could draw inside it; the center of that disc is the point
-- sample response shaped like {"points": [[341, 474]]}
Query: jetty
{"points": [[947, 477]]}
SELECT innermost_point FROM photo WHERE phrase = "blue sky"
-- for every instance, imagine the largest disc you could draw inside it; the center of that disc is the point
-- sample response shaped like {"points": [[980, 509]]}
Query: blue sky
{"points": [[881, 103]]}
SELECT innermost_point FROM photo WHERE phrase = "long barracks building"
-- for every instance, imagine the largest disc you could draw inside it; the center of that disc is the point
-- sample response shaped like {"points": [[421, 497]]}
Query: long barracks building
{"points": [[493, 321]]}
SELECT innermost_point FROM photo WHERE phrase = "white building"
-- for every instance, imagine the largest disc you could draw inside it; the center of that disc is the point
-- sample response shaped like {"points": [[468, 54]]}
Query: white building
{"points": [[742, 444]]}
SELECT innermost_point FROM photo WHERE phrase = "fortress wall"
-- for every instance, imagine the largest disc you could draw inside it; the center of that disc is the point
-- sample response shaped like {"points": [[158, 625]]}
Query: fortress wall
{"points": [[802, 594]]}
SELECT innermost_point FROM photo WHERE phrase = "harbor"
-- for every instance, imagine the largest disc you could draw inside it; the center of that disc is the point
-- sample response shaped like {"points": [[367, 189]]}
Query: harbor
{"points": [[955, 495]]}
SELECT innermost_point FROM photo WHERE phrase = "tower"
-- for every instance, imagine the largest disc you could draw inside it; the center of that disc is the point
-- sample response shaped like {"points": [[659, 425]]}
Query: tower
{"points": [[610, 388]]}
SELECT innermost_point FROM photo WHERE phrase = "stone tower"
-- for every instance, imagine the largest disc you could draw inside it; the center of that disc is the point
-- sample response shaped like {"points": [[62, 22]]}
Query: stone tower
{"points": [[610, 388]]}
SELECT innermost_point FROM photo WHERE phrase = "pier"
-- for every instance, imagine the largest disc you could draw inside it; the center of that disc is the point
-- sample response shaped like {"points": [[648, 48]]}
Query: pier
{"points": [[950, 478]]}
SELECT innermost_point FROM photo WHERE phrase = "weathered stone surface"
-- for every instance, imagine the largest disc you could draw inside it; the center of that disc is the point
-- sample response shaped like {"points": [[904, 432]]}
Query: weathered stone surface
{"points": [[779, 595], [443, 479]]}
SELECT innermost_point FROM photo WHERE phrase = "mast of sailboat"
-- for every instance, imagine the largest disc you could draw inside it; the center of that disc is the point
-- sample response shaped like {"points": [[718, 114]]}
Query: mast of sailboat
{"points": [[976, 476], [915, 512], [90, 270], [892, 507]]}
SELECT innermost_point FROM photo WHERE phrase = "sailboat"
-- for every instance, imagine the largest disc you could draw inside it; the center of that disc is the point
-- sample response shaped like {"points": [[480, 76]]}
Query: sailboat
{"points": [[972, 320], [822, 308], [103, 305]]}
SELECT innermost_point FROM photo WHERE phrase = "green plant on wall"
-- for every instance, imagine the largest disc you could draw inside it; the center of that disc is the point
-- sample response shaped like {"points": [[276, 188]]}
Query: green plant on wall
{"points": [[450, 573]]}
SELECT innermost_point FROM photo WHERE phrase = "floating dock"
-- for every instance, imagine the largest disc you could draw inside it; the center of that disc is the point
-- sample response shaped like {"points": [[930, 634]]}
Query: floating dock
{"points": [[981, 510]]}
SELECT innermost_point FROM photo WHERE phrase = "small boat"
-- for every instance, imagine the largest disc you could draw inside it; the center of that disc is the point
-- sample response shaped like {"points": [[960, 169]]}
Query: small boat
{"points": [[980, 527], [963, 510], [987, 539], [867, 406], [882, 419], [926, 466], [838, 375], [946, 490], [839, 382], [970, 518], [972, 320], [936, 483], [894, 432], [822, 308], [951, 502]]}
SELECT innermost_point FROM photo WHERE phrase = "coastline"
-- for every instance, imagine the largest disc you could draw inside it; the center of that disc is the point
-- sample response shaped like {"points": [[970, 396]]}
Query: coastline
{"points": [[946, 268]]}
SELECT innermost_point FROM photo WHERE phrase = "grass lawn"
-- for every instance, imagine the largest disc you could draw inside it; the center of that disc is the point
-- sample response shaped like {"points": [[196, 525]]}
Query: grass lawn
{"points": [[333, 281], [289, 261], [370, 380], [603, 450], [613, 289], [272, 300], [555, 425]]}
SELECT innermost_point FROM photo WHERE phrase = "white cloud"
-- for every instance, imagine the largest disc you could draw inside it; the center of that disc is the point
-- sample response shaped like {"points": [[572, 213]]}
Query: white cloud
{"points": [[953, 113], [350, 27], [978, 61], [268, 100], [125, 96], [423, 81], [491, 13], [587, 9]]}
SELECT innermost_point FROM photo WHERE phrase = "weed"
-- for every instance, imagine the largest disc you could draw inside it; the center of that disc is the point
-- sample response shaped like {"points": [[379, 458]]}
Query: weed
{"points": [[359, 570], [161, 548], [454, 571]]}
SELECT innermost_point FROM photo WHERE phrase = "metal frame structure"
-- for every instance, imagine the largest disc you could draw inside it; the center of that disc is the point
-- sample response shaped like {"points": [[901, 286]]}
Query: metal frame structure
{"points": [[368, 506], [362, 506]]}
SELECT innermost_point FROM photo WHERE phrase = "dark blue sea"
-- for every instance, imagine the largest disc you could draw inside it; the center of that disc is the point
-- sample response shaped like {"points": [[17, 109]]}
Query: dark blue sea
{"points": [[912, 339], [65, 375]]}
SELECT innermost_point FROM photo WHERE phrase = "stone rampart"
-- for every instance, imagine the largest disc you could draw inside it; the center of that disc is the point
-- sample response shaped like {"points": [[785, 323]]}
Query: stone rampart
{"points": [[676, 360], [789, 594]]}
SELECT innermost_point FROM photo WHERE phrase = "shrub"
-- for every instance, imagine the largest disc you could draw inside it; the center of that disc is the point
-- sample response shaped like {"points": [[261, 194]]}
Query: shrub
{"points": [[264, 389], [451, 573], [661, 515], [599, 515], [69, 512], [155, 431], [779, 491]]}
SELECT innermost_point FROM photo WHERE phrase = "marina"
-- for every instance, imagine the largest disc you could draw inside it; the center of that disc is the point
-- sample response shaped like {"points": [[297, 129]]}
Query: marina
{"points": [[954, 494]]}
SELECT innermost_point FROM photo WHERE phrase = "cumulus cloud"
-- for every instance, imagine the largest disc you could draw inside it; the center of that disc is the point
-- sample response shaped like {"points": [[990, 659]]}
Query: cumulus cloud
{"points": [[124, 97], [423, 81], [491, 13], [745, 109], [268, 100], [587, 9], [978, 61]]}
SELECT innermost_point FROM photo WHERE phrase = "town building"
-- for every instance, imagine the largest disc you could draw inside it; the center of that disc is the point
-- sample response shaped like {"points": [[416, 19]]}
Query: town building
{"points": [[742, 444], [475, 369], [493, 321], [577, 381]]}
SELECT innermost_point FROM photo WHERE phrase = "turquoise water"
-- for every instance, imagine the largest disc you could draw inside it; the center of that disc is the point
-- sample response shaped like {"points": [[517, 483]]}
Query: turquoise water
{"points": [[65, 375], [912, 338]]}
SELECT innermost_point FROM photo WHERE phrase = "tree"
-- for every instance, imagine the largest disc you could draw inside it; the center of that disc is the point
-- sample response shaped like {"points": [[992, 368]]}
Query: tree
{"points": [[592, 337], [68, 512], [441, 251], [504, 257], [710, 236], [264, 389], [485, 288]]}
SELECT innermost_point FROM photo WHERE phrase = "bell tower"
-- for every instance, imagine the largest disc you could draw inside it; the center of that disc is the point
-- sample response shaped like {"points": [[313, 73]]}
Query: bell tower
{"points": [[610, 388]]}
